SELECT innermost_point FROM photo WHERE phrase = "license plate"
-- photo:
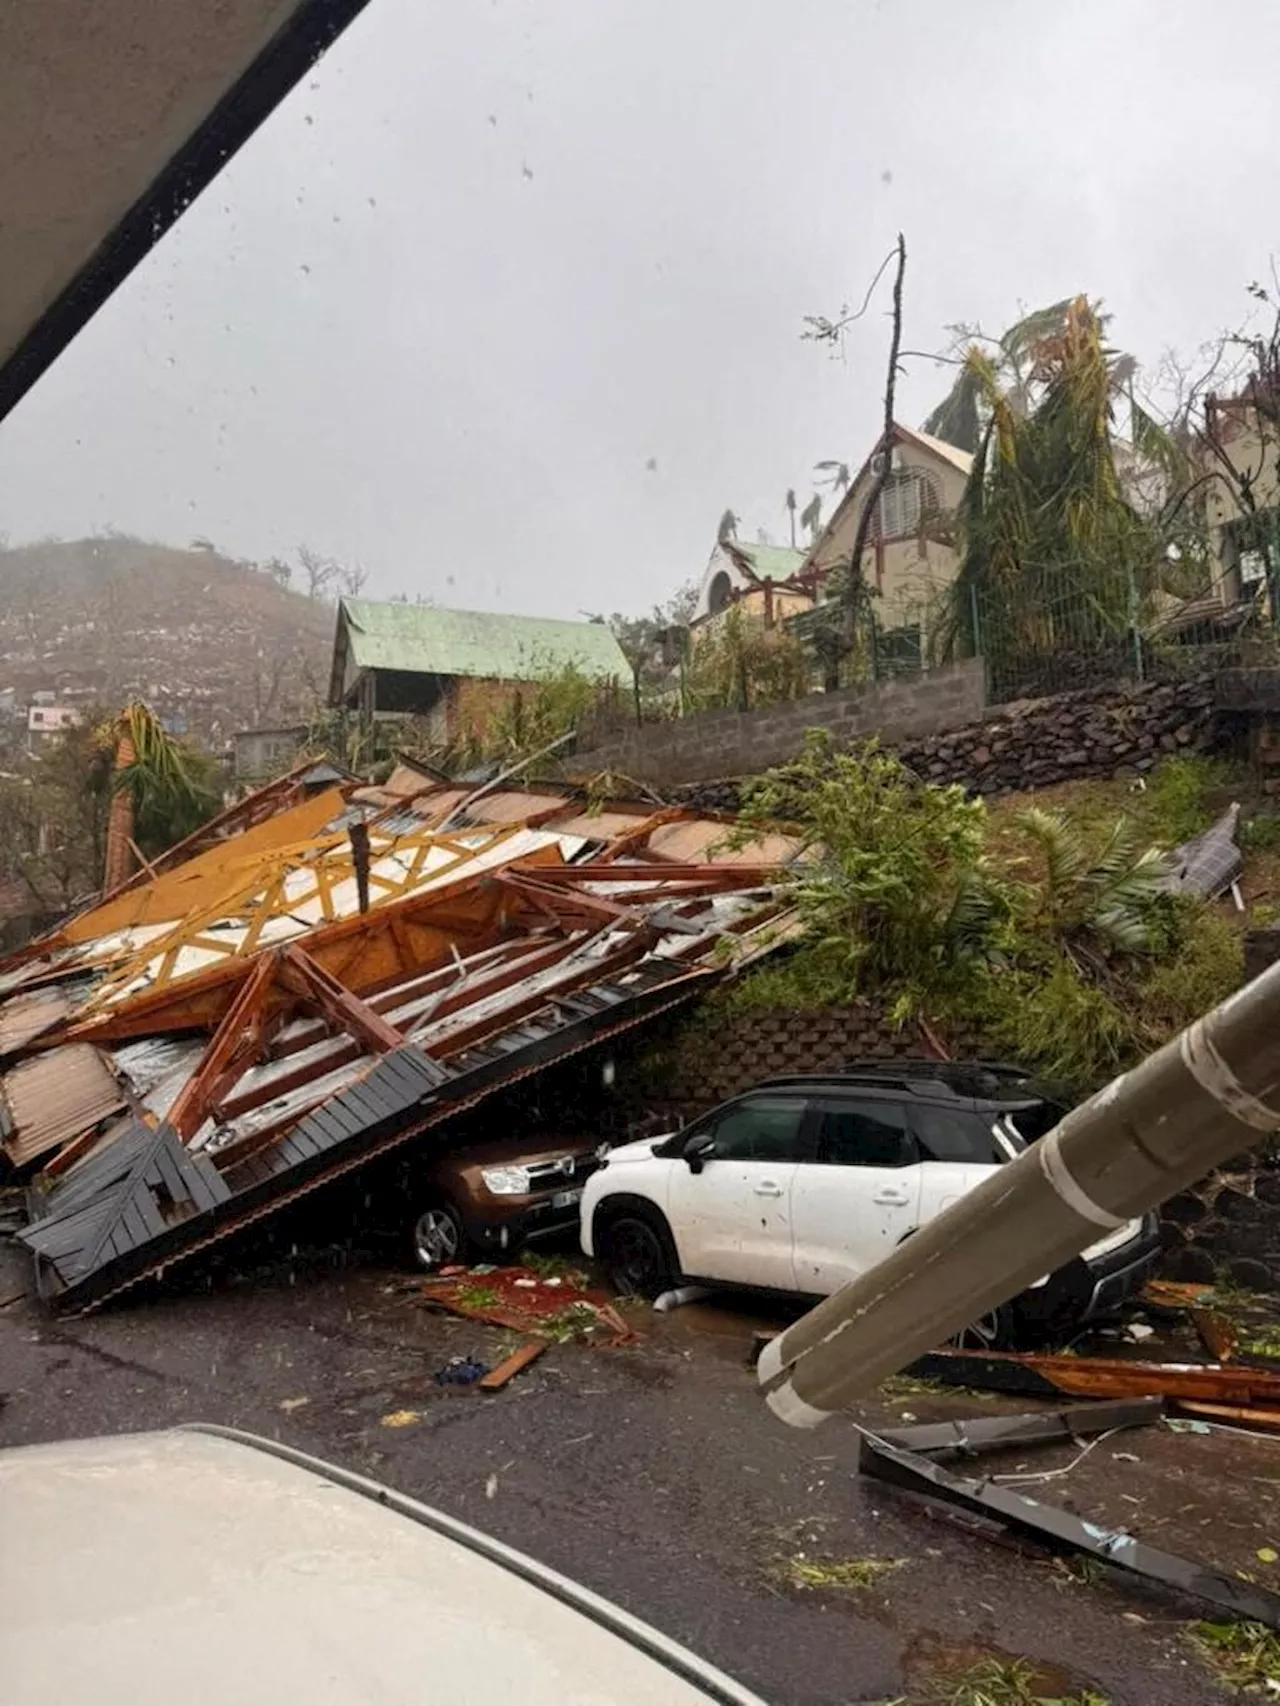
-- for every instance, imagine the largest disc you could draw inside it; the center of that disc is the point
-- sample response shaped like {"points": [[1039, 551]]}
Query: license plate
{"points": [[566, 1199]]}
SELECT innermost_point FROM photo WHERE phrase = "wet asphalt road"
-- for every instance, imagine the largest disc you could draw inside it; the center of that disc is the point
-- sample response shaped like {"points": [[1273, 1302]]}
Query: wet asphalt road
{"points": [[654, 1475]]}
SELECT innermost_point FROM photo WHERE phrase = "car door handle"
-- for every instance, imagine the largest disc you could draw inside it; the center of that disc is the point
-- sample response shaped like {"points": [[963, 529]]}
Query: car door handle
{"points": [[768, 1188], [896, 1199]]}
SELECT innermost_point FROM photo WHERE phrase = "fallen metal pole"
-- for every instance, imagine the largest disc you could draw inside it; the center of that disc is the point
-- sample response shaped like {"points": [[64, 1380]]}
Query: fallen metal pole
{"points": [[1061, 1530], [1153, 1132], [969, 1435]]}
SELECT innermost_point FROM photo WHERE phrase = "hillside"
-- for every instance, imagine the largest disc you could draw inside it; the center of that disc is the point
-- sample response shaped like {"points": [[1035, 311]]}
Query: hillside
{"points": [[215, 642]]}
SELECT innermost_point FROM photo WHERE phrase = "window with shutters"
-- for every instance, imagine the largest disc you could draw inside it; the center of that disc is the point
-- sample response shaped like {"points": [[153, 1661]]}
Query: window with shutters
{"points": [[907, 498]]}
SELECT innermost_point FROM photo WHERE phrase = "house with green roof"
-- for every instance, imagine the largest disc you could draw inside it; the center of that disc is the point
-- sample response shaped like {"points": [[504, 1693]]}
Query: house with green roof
{"points": [[757, 579], [409, 659]]}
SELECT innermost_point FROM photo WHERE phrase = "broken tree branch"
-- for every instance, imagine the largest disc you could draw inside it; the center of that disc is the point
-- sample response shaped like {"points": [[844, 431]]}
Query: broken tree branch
{"points": [[824, 331], [881, 480]]}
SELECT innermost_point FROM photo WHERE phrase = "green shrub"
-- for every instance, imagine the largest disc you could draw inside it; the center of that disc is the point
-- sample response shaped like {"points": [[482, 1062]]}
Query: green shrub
{"points": [[1055, 1021], [1201, 962], [896, 893], [1184, 794], [1065, 954]]}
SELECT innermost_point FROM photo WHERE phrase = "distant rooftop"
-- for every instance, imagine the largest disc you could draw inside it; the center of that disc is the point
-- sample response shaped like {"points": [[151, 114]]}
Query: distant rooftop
{"points": [[768, 562], [425, 640]]}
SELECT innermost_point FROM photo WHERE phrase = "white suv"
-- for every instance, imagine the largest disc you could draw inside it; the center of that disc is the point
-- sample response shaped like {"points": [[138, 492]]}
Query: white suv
{"points": [[802, 1184]]}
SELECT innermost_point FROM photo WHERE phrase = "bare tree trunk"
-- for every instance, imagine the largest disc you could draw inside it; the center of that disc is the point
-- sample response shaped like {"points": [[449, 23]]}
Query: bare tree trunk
{"points": [[854, 591], [119, 860]]}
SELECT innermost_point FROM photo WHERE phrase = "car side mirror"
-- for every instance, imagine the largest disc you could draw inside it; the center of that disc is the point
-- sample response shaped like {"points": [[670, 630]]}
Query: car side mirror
{"points": [[699, 1150]]}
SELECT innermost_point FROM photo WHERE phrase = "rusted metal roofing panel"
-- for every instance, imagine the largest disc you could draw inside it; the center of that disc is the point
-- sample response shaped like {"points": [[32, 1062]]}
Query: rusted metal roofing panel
{"points": [[55, 1097], [704, 839], [27, 1017], [509, 805], [405, 782], [598, 826]]}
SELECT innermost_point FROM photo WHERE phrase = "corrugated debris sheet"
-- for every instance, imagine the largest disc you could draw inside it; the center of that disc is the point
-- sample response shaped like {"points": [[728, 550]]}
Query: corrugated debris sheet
{"points": [[274, 1007]]}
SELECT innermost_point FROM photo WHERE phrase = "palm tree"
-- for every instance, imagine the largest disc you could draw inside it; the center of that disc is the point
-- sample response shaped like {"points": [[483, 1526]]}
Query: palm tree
{"points": [[1056, 564], [1008, 364], [837, 474], [1092, 905], [161, 789], [790, 503]]}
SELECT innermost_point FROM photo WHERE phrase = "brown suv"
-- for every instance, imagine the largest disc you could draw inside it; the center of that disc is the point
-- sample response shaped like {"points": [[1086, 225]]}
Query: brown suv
{"points": [[487, 1199]]}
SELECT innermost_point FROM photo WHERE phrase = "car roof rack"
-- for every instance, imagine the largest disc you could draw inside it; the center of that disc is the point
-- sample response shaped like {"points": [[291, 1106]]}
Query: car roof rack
{"points": [[978, 1080]]}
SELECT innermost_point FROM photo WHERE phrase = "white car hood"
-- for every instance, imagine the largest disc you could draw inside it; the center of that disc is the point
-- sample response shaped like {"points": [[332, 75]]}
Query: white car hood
{"points": [[641, 1150], [256, 1576]]}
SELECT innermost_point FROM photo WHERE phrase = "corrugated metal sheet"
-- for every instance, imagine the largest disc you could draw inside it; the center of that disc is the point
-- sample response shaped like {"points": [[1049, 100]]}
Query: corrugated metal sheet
{"points": [[144, 1064], [598, 826], [704, 839], [510, 806], [425, 639], [25, 1018], [55, 1097]]}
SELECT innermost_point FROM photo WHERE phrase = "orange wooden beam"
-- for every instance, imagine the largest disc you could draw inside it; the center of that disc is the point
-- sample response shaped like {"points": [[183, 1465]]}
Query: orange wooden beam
{"points": [[235, 1037], [344, 1010]]}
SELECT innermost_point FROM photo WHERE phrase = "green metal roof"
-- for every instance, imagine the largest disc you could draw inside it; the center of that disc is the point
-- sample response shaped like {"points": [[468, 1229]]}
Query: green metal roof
{"points": [[425, 640], [770, 562]]}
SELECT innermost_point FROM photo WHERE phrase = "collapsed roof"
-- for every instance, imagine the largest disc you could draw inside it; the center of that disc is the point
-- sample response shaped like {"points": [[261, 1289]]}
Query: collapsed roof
{"points": [[280, 1001]]}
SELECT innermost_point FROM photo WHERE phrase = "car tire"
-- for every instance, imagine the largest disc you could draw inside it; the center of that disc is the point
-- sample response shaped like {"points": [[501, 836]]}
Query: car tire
{"points": [[437, 1237], [638, 1253], [996, 1330]]}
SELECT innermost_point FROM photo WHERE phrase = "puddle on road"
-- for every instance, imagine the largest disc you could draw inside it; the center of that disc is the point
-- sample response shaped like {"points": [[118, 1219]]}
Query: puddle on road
{"points": [[724, 1325], [931, 1662]]}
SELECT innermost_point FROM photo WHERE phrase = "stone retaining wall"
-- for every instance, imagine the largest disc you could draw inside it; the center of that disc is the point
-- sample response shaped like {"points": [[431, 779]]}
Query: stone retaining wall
{"points": [[1098, 732]]}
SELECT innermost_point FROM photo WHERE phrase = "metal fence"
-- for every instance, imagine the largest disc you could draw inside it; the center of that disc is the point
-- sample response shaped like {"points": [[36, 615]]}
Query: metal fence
{"points": [[1064, 642]]}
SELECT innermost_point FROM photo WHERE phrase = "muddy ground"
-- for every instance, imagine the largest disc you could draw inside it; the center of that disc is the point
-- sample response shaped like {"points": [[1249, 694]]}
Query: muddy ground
{"points": [[655, 1475]]}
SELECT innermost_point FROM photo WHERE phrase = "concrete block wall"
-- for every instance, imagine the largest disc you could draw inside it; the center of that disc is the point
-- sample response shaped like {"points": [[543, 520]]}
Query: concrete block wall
{"points": [[739, 743]]}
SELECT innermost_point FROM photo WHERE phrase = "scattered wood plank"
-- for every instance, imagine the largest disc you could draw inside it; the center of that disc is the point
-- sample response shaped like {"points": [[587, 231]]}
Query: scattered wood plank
{"points": [[1243, 1416], [506, 1370], [1216, 1333], [1100, 1377]]}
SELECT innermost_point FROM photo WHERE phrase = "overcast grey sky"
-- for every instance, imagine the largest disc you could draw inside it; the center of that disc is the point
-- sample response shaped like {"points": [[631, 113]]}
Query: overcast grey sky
{"points": [[505, 301]]}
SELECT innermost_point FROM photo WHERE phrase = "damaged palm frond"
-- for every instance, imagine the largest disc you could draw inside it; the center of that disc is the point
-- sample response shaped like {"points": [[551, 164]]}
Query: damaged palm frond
{"points": [[837, 1575], [1056, 562], [1072, 944], [172, 787], [1246, 1656], [1099, 898]]}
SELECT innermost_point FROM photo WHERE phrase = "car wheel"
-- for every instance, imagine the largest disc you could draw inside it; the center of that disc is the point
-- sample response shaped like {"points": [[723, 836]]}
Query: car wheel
{"points": [[437, 1238], [994, 1331], [638, 1256]]}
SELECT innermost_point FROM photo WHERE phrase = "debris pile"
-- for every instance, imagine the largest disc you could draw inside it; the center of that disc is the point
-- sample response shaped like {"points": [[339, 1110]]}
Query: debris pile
{"points": [[557, 1306], [278, 1001]]}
